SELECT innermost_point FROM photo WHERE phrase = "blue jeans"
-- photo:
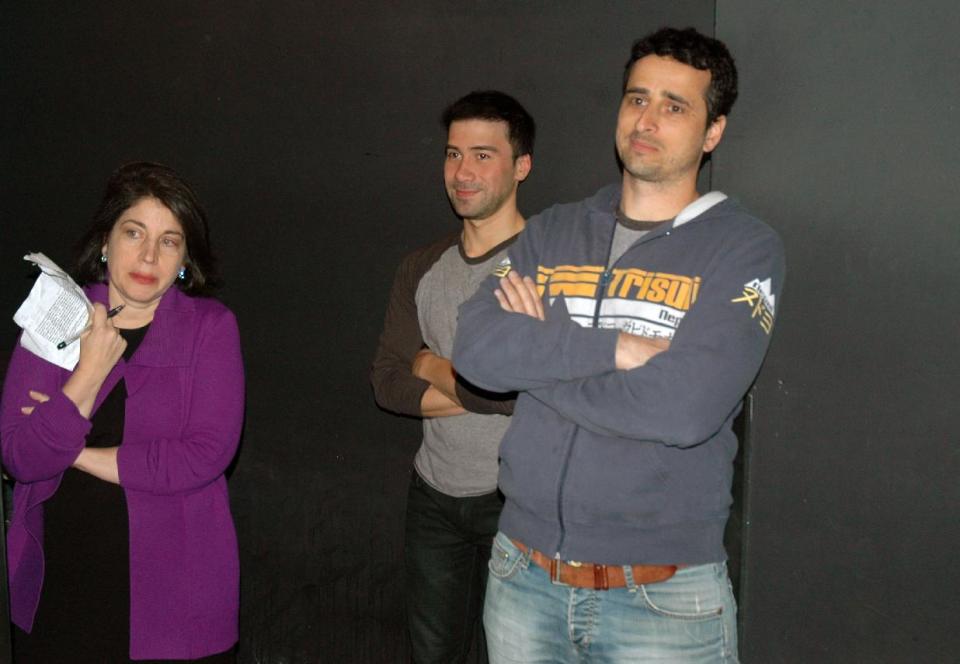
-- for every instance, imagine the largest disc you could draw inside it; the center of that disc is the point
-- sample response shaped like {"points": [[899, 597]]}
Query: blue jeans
{"points": [[690, 618]]}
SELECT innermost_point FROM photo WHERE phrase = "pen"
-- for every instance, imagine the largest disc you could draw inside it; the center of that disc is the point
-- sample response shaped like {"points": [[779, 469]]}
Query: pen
{"points": [[66, 342]]}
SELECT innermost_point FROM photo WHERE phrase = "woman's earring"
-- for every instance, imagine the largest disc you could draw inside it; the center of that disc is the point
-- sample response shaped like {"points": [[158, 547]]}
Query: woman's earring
{"points": [[103, 258], [181, 275]]}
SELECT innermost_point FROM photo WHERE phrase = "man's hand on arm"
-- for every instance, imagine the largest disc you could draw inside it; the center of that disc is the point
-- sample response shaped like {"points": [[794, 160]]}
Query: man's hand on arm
{"points": [[634, 351], [519, 295], [438, 371], [435, 403], [440, 399]]}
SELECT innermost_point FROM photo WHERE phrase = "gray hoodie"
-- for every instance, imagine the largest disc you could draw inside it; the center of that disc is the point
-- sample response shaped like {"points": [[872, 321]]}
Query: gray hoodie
{"points": [[626, 467]]}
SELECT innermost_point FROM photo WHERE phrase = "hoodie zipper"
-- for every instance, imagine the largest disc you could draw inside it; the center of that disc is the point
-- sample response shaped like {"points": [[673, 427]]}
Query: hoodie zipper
{"points": [[601, 288]]}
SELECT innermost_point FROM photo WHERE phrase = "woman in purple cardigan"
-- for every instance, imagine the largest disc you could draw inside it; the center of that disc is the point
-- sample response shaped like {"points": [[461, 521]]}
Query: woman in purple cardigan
{"points": [[121, 543]]}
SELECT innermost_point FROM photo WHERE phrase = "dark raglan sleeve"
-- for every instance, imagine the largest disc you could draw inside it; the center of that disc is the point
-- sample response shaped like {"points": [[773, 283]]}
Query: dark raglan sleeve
{"points": [[484, 402], [394, 386], [683, 396], [501, 351]]}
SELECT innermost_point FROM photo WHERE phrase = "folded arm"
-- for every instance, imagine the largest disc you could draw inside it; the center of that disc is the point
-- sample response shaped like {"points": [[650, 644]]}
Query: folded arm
{"points": [[211, 433], [440, 399], [39, 438], [683, 396], [100, 462], [501, 349], [409, 378], [43, 424], [615, 384], [395, 387]]}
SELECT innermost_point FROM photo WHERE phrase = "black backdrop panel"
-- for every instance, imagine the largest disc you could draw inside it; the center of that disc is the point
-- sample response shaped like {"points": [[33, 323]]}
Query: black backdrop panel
{"points": [[311, 133], [845, 140]]}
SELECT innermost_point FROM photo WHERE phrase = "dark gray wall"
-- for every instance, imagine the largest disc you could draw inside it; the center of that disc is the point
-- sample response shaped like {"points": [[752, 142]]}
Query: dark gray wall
{"points": [[845, 140], [311, 133]]}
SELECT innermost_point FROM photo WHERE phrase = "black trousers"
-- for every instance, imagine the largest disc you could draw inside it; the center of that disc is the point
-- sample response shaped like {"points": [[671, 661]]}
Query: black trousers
{"points": [[447, 547]]}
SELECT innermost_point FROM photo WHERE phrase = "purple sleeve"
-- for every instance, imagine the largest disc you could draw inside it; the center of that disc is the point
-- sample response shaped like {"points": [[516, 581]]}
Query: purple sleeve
{"points": [[213, 423], [43, 444]]}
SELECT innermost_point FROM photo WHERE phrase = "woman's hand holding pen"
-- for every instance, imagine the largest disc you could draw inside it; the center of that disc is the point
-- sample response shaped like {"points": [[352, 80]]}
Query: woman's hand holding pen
{"points": [[100, 348]]}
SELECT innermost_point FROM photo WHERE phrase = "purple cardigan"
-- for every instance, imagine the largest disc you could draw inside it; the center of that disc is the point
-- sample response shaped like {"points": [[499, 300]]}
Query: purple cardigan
{"points": [[184, 412]]}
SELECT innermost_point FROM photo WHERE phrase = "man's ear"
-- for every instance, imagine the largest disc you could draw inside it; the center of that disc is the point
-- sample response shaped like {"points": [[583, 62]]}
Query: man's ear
{"points": [[714, 133], [522, 167]]}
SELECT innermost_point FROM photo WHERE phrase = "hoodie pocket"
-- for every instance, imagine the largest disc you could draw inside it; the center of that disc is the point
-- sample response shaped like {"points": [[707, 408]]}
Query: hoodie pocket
{"points": [[615, 482]]}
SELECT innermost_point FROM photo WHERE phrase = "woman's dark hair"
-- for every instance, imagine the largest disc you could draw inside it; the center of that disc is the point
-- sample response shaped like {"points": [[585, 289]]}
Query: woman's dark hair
{"points": [[700, 52], [143, 179], [495, 106]]}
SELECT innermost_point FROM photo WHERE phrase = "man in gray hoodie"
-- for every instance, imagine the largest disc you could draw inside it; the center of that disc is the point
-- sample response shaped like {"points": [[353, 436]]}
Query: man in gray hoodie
{"points": [[631, 324]]}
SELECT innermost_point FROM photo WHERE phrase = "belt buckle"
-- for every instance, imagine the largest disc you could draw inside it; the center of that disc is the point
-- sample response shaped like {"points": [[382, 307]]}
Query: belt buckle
{"points": [[555, 565]]}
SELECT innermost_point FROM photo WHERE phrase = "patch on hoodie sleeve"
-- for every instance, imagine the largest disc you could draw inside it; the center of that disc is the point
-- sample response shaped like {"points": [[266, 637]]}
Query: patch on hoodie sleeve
{"points": [[758, 295], [503, 268]]}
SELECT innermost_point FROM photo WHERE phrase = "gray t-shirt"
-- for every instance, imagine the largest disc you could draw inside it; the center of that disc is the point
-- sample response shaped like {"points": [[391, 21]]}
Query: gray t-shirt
{"points": [[459, 454], [626, 233]]}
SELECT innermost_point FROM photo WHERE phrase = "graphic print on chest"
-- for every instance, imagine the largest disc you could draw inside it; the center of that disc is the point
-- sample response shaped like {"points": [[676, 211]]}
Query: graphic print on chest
{"points": [[641, 302]]}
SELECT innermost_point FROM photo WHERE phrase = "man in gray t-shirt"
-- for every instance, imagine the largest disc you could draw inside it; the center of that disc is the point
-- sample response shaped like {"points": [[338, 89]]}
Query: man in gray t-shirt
{"points": [[453, 504]]}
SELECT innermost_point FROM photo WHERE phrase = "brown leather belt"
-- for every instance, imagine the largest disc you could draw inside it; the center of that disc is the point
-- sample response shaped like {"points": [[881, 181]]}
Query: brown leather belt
{"points": [[598, 577]]}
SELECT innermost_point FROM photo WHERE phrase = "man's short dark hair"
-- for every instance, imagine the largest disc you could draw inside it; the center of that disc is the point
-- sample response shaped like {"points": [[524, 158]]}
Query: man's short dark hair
{"points": [[129, 184], [495, 106], [700, 52]]}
